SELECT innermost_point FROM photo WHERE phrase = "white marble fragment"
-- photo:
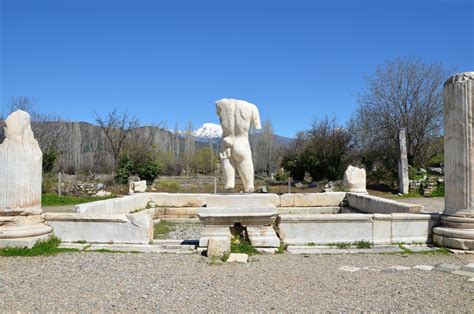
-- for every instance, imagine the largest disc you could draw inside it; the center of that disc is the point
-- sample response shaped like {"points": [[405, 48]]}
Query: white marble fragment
{"points": [[423, 267], [237, 258], [349, 268], [355, 180]]}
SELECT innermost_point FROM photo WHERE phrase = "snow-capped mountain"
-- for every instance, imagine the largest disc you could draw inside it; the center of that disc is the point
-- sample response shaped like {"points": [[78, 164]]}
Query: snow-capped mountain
{"points": [[208, 131]]}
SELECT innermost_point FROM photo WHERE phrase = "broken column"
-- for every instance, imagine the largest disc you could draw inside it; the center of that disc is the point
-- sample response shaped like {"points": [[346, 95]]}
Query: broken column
{"points": [[457, 221], [355, 180], [21, 215], [403, 180]]}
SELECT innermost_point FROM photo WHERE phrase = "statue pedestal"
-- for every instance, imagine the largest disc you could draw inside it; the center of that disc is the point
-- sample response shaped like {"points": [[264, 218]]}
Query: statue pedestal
{"points": [[251, 212]]}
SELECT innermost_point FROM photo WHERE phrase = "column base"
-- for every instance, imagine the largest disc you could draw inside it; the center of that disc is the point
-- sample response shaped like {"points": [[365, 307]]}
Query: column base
{"points": [[28, 242], [454, 238]]}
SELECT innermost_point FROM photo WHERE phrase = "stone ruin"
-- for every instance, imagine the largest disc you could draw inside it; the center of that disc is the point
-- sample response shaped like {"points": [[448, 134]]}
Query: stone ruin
{"points": [[21, 216]]}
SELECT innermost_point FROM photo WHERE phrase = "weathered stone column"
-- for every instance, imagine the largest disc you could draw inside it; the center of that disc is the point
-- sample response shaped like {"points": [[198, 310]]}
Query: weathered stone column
{"points": [[457, 222], [355, 180], [21, 217], [403, 180]]}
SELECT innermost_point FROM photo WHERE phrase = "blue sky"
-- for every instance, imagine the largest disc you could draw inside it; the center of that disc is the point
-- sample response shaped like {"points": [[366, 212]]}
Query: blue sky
{"points": [[168, 61]]}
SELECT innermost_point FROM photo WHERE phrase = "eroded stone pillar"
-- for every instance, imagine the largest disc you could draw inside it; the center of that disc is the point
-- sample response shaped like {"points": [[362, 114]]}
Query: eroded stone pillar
{"points": [[403, 180], [457, 222], [355, 180], [21, 217]]}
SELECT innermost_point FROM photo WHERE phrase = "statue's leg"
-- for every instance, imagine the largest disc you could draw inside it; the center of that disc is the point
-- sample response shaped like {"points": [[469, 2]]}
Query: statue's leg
{"points": [[229, 174], [245, 168], [228, 170]]}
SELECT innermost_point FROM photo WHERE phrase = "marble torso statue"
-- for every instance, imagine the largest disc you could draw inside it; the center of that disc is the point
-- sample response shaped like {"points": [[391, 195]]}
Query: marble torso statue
{"points": [[236, 117]]}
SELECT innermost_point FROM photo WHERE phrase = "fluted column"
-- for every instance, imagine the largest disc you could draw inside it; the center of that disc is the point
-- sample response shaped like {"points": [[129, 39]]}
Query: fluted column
{"points": [[457, 222], [21, 218]]}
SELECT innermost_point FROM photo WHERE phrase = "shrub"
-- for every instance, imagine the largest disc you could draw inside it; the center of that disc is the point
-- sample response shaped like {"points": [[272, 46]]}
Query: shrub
{"points": [[146, 168]]}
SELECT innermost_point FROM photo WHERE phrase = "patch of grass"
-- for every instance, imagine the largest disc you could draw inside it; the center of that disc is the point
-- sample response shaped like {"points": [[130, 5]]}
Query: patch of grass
{"points": [[439, 191], [281, 249], [437, 251], [163, 228], [362, 244], [80, 241], [56, 200], [46, 247], [170, 186], [241, 246], [311, 244], [340, 245]]}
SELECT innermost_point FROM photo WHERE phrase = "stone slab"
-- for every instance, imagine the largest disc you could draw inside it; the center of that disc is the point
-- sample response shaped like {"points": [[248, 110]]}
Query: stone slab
{"points": [[309, 210], [424, 267], [263, 236], [131, 228], [378, 205], [115, 206], [214, 232], [323, 229], [229, 216], [242, 200], [218, 247], [463, 273], [312, 199], [448, 268]]}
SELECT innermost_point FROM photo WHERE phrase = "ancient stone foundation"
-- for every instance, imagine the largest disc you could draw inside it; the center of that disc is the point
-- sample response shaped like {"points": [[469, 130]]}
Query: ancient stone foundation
{"points": [[21, 218], [457, 222]]}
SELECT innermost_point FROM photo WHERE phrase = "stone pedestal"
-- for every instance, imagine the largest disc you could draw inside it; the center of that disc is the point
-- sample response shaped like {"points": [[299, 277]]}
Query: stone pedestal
{"points": [[21, 217], [457, 222], [254, 212]]}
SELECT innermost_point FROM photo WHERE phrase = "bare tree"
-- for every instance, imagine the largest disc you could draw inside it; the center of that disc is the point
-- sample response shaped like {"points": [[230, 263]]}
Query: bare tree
{"points": [[266, 152], [117, 126], [47, 129], [189, 147], [404, 93]]}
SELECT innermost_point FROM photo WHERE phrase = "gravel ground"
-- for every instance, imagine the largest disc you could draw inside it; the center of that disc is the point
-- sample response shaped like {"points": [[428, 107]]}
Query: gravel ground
{"points": [[90, 281], [185, 232], [59, 209]]}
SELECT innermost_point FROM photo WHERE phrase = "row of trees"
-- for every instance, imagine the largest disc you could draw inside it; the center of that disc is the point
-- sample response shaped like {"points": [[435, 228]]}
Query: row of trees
{"points": [[404, 93]]}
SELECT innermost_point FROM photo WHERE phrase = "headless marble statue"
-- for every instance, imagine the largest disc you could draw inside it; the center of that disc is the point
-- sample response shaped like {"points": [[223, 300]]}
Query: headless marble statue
{"points": [[236, 117]]}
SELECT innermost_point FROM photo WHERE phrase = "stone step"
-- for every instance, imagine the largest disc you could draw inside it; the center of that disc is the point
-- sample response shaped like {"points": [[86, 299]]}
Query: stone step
{"points": [[141, 248], [332, 250]]}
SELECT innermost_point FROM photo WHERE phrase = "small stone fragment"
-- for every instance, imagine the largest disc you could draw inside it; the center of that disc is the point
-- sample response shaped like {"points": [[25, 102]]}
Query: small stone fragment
{"points": [[349, 268], [238, 258], [424, 267]]}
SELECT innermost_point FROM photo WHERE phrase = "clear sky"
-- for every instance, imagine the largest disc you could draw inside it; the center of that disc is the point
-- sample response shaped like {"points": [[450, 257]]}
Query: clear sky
{"points": [[168, 61]]}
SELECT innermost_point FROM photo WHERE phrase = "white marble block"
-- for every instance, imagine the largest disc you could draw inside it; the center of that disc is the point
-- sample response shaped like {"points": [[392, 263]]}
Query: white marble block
{"points": [[137, 187], [96, 228], [21, 218], [457, 222], [355, 180], [236, 117]]}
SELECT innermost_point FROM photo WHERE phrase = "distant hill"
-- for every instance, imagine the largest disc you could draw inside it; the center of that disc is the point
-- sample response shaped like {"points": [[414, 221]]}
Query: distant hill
{"points": [[83, 145]]}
